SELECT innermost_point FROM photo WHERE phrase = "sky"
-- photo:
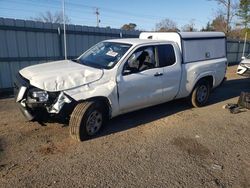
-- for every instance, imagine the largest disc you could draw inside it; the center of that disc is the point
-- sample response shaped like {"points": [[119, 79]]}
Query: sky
{"points": [[114, 13]]}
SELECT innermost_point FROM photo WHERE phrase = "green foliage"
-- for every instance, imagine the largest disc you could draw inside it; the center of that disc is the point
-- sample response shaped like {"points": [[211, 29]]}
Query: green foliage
{"points": [[219, 24], [166, 25], [239, 34], [190, 27], [208, 27], [244, 12], [129, 27]]}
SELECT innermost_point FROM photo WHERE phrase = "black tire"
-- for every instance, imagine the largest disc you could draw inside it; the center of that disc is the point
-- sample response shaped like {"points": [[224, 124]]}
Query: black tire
{"points": [[198, 99], [80, 119]]}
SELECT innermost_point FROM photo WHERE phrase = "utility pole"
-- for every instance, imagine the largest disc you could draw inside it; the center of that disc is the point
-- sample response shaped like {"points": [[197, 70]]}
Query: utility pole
{"points": [[228, 14], [244, 47], [97, 17], [64, 30]]}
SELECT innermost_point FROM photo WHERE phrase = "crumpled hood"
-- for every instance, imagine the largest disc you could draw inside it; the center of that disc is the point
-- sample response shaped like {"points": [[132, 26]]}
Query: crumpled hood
{"points": [[60, 75]]}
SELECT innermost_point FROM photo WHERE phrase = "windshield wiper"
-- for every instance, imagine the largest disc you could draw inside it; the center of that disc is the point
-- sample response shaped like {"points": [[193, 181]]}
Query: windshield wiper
{"points": [[80, 62], [97, 66], [75, 60], [87, 64]]}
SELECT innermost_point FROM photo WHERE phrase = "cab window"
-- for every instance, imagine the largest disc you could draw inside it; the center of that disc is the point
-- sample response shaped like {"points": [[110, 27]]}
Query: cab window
{"points": [[142, 59], [166, 55]]}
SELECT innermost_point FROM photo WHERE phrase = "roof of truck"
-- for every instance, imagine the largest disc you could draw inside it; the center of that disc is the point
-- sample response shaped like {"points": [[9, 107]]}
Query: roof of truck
{"points": [[183, 35], [159, 37], [201, 34], [135, 41]]}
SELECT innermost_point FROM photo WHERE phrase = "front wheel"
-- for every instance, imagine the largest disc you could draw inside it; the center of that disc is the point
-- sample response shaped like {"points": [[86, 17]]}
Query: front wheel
{"points": [[200, 93], [86, 120]]}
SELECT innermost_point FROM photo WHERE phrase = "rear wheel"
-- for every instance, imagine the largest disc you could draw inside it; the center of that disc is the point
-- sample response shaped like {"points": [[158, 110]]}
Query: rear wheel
{"points": [[200, 93], [86, 120]]}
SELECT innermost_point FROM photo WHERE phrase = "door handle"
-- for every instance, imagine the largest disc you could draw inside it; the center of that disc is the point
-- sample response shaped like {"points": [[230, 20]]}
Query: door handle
{"points": [[158, 74]]}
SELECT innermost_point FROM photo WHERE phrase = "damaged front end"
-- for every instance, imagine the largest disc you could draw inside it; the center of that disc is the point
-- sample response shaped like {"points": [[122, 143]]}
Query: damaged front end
{"points": [[35, 103]]}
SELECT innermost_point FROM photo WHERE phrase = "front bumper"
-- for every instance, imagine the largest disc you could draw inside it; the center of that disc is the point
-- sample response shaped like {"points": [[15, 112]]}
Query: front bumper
{"points": [[57, 104], [26, 113], [21, 85]]}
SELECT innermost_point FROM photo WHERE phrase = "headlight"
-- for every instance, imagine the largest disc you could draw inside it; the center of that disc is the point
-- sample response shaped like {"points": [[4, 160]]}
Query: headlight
{"points": [[42, 96]]}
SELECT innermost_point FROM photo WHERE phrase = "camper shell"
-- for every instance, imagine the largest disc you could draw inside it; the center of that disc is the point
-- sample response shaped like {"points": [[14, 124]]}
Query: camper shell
{"points": [[194, 46]]}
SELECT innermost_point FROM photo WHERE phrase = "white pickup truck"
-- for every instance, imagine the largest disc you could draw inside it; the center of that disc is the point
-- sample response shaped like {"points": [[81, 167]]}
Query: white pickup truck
{"points": [[122, 75]]}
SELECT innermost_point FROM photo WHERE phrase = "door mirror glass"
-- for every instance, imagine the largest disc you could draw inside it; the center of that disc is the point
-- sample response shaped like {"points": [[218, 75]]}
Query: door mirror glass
{"points": [[127, 71]]}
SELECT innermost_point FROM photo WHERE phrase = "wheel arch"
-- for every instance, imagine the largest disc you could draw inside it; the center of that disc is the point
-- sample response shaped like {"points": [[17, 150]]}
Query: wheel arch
{"points": [[209, 78], [193, 95], [104, 100]]}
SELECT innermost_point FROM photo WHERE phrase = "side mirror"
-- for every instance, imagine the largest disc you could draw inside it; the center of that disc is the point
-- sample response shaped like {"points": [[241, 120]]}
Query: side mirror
{"points": [[127, 71]]}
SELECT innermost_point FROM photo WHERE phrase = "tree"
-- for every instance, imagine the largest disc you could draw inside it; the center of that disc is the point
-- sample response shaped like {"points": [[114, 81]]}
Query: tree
{"points": [[244, 12], [189, 27], [129, 27], [57, 17], [208, 27], [230, 9], [166, 25], [219, 24]]}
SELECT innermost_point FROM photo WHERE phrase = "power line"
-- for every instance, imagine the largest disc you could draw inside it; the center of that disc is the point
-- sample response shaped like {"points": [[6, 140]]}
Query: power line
{"points": [[113, 11], [108, 15]]}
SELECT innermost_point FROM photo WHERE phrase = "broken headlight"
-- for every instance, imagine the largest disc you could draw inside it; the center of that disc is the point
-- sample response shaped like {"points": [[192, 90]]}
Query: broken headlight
{"points": [[41, 96]]}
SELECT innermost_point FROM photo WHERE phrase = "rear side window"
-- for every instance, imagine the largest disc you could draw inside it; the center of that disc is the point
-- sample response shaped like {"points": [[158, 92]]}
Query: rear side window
{"points": [[166, 55]]}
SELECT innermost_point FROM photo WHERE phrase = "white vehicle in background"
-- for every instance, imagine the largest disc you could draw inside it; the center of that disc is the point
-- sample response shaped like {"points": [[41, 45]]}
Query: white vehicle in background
{"points": [[122, 75], [244, 66]]}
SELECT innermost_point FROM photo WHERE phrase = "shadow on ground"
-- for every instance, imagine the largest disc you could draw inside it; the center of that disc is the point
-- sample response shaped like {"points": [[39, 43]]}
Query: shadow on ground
{"points": [[1, 152], [144, 116], [229, 89]]}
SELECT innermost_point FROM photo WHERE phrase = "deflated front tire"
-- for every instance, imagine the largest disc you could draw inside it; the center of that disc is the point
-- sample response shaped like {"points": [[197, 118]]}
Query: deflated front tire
{"points": [[86, 120]]}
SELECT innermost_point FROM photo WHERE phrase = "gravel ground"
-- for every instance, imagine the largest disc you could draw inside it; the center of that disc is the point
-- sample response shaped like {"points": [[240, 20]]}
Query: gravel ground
{"points": [[169, 145]]}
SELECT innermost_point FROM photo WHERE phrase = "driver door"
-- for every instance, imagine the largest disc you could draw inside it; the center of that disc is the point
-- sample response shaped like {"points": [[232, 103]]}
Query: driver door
{"points": [[140, 84]]}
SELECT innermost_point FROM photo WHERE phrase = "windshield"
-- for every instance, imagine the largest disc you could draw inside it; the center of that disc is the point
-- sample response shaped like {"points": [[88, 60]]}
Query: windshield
{"points": [[104, 55]]}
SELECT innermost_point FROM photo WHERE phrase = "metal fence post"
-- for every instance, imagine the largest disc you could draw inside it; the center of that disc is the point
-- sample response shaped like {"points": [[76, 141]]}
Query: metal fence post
{"points": [[60, 43], [238, 52]]}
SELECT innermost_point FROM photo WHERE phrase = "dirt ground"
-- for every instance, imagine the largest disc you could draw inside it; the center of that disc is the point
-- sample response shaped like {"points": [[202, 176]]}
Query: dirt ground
{"points": [[169, 145]]}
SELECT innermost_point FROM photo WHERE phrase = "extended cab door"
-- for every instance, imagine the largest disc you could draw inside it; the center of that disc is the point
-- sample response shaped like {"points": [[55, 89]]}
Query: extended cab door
{"points": [[140, 84], [169, 60]]}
